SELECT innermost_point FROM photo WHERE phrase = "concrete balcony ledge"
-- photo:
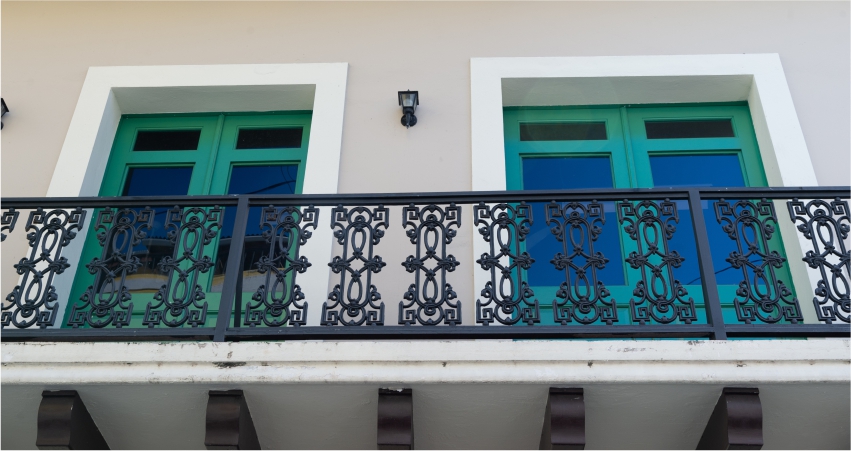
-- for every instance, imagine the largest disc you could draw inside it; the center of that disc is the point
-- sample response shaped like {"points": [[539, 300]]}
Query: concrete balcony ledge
{"points": [[323, 395], [431, 362]]}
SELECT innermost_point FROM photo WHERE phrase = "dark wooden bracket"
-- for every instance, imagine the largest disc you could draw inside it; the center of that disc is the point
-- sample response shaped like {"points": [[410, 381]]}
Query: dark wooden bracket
{"points": [[395, 419], [64, 423], [564, 420], [229, 424], [736, 422]]}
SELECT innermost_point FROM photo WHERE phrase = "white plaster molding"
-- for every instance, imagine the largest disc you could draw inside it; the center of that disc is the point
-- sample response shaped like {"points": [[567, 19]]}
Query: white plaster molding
{"points": [[757, 78], [493, 361], [109, 92]]}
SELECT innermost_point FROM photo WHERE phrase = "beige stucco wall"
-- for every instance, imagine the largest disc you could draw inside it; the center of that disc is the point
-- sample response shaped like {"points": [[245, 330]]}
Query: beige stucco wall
{"points": [[390, 46], [47, 47]]}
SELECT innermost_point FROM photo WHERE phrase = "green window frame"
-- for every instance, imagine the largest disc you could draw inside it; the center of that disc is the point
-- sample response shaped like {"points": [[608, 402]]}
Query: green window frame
{"points": [[630, 151], [212, 161]]}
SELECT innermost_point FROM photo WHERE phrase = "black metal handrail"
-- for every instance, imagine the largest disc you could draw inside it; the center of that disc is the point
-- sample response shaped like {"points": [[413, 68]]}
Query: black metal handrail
{"points": [[764, 306], [464, 197]]}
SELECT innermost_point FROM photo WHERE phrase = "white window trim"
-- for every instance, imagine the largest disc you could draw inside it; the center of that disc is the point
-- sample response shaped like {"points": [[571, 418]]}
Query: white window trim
{"points": [[605, 80], [109, 92]]}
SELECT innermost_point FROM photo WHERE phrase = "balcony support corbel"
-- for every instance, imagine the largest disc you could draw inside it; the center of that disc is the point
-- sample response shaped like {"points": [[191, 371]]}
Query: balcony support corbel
{"points": [[736, 422], [65, 423], [395, 419], [229, 423], [564, 419]]}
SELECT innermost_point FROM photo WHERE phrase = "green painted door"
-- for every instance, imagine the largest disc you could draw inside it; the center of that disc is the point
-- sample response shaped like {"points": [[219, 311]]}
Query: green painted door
{"points": [[626, 147], [172, 155]]}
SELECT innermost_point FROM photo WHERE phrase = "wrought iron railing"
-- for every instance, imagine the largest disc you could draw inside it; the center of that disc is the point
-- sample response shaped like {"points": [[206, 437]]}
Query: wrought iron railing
{"points": [[655, 234]]}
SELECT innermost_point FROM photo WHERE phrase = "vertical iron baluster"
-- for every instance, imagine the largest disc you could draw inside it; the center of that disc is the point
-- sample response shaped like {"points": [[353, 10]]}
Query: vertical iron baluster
{"points": [[231, 276], [237, 311], [711, 299]]}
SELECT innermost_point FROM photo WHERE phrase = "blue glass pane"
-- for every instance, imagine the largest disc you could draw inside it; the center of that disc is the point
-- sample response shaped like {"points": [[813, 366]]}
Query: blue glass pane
{"points": [[157, 182], [266, 179], [701, 171], [567, 173], [570, 173], [696, 170], [271, 179], [156, 245]]}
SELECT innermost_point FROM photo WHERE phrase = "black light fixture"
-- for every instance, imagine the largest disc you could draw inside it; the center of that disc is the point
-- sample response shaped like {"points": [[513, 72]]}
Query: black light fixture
{"points": [[3, 111], [409, 100]]}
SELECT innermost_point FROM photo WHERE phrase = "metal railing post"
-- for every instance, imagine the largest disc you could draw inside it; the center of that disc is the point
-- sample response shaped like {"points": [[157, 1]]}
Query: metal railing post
{"points": [[233, 270], [711, 299]]}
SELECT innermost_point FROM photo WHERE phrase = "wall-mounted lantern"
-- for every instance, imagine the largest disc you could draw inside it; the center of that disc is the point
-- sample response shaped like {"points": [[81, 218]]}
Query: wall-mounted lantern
{"points": [[409, 100], [3, 111]]}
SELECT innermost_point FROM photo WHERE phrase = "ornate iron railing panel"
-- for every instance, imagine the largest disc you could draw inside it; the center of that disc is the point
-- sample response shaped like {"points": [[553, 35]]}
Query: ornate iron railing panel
{"points": [[583, 295], [764, 295], [279, 300], [578, 303], [661, 297], [356, 301], [181, 299], [33, 301], [108, 301], [429, 301], [826, 224], [504, 227]]}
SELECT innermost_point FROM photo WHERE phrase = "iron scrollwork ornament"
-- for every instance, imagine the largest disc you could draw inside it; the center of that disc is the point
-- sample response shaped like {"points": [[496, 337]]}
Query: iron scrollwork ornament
{"points": [[583, 296], [33, 302], [181, 299], [278, 301], [429, 301], [764, 296], [107, 301], [826, 225], [358, 230], [507, 293], [661, 297], [7, 222]]}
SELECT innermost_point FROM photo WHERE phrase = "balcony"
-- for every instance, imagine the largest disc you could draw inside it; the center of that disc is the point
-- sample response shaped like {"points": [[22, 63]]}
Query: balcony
{"points": [[638, 263]]}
